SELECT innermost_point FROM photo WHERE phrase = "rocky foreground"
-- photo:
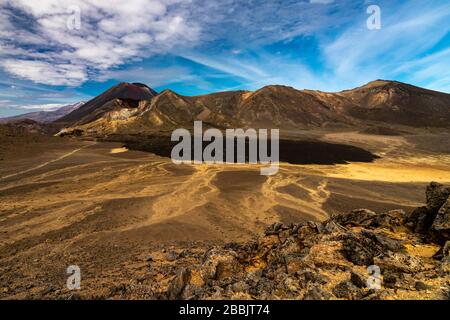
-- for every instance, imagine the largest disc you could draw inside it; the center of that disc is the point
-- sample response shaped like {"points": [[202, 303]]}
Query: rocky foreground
{"points": [[359, 255], [336, 259]]}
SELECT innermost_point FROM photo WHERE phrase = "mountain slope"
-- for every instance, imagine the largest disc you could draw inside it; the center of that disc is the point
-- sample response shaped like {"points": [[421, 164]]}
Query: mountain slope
{"points": [[399, 103], [45, 116], [126, 109], [117, 97]]}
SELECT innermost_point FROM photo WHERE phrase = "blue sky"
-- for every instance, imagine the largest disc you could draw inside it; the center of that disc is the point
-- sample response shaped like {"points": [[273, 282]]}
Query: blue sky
{"points": [[198, 46]]}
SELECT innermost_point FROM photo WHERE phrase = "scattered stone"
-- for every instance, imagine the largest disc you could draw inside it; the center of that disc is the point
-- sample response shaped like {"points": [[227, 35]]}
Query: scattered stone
{"points": [[178, 284], [390, 280], [347, 290], [385, 242], [47, 290], [171, 256], [356, 252], [359, 217], [441, 225], [307, 277], [377, 295], [444, 253], [301, 260], [420, 286], [399, 262], [420, 220], [389, 219], [118, 289], [358, 280], [317, 294], [219, 265], [437, 195], [274, 229]]}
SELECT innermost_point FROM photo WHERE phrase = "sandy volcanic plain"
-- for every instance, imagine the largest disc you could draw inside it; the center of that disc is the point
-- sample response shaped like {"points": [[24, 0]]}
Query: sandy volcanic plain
{"points": [[65, 201]]}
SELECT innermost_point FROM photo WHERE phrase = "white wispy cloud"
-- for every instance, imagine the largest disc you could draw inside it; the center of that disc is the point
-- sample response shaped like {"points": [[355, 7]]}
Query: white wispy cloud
{"points": [[111, 33], [225, 37], [359, 55], [46, 73], [40, 107], [156, 76]]}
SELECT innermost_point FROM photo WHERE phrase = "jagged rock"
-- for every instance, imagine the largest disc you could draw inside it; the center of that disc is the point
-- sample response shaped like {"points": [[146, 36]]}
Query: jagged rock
{"points": [[355, 251], [361, 249], [359, 217], [390, 280], [331, 226], [420, 286], [308, 235], [384, 242], [171, 256], [441, 224], [437, 195], [275, 228], [358, 280], [389, 219], [177, 286], [444, 253], [219, 265], [347, 290], [307, 277], [399, 262], [299, 261], [420, 220]]}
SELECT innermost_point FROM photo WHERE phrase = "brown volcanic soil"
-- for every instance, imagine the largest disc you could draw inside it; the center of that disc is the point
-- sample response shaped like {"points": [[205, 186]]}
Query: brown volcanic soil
{"points": [[72, 202]]}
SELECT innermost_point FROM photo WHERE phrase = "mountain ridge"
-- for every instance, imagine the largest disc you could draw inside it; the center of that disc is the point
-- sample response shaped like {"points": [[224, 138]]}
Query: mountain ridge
{"points": [[135, 108], [45, 116]]}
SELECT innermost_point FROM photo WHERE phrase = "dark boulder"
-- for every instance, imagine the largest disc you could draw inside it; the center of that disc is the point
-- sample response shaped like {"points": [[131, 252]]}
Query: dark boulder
{"points": [[383, 242], [399, 263], [356, 251], [275, 228], [389, 219], [358, 280], [390, 280], [437, 194], [359, 217], [441, 225], [444, 253], [347, 290], [420, 220], [178, 284], [420, 286]]}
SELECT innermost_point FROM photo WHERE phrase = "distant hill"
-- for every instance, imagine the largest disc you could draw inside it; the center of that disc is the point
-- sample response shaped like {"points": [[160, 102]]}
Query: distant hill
{"points": [[25, 127], [399, 103], [45, 116], [135, 108]]}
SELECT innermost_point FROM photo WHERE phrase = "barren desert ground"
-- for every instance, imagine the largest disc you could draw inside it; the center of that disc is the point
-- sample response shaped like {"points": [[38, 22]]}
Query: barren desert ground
{"points": [[108, 209]]}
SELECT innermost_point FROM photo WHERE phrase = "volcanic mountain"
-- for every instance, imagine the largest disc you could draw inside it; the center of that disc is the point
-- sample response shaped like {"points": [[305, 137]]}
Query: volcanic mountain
{"points": [[135, 108], [123, 95], [399, 103]]}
